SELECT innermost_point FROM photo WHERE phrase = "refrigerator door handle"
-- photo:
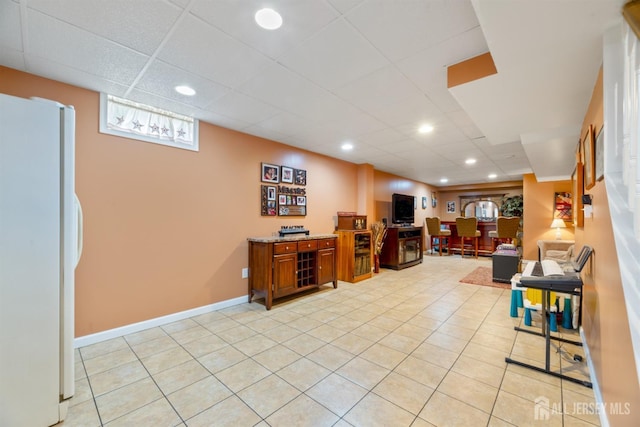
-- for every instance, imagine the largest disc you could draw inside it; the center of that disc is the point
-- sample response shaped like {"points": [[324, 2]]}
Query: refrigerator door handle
{"points": [[80, 229]]}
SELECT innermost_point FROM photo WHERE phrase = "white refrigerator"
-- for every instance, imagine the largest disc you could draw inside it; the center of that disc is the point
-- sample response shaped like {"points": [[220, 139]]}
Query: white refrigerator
{"points": [[40, 246]]}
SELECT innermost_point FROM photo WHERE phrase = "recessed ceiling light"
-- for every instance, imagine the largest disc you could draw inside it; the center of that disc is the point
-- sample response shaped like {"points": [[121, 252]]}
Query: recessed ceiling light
{"points": [[347, 147], [425, 129], [470, 161], [492, 176], [268, 19], [185, 90], [443, 180]]}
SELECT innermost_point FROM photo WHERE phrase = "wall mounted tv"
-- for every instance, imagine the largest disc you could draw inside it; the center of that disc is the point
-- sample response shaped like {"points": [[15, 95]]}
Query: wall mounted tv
{"points": [[402, 209]]}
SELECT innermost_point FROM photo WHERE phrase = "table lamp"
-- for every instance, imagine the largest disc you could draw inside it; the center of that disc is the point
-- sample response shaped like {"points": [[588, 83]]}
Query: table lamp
{"points": [[558, 224]]}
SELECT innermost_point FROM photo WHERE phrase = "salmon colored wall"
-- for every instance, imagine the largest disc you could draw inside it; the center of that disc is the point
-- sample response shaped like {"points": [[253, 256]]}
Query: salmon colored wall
{"points": [[605, 319], [539, 204], [165, 229], [366, 203]]}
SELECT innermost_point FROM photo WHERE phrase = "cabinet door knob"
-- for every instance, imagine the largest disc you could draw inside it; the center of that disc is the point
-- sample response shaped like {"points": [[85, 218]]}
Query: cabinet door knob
{"points": [[308, 245]]}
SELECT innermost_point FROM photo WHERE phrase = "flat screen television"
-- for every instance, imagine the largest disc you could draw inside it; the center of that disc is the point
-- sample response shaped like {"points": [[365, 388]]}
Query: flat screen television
{"points": [[402, 209]]}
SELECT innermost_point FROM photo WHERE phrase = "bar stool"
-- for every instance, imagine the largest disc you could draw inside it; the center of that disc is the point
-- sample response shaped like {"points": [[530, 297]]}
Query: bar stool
{"points": [[436, 232], [468, 229], [506, 228]]}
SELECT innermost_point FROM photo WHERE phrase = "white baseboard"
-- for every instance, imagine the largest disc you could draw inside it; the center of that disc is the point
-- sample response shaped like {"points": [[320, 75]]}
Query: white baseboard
{"points": [[152, 323], [604, 421]]}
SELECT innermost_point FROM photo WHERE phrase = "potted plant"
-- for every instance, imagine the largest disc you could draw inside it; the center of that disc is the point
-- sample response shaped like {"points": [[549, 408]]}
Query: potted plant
{"points": [[512, 206]]}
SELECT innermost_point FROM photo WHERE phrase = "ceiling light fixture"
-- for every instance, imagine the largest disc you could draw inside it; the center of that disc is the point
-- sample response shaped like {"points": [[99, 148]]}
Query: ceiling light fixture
{"points": [[268, 19], [185, 90], [492, 176], [425, 129], [443, 180], [347, 147], [470, 161]]}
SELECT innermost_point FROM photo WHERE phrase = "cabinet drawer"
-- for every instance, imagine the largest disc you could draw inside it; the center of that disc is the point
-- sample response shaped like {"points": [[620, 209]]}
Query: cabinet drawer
{"points": [[326, 243], [284, 248], [307, 245]]}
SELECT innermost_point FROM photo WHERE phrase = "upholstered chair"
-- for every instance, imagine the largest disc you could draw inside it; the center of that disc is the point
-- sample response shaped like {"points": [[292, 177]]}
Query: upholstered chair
{"points": [[556, 250], [467, 228], [506, 228], [436, 232]]}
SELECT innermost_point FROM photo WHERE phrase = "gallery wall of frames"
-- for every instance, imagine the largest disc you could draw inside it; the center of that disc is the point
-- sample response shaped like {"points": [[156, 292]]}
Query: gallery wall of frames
{"points": [[284, 192]]}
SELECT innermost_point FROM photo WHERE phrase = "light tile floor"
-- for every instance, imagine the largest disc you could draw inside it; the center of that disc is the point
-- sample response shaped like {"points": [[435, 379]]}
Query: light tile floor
{"points": [[405, 348]]}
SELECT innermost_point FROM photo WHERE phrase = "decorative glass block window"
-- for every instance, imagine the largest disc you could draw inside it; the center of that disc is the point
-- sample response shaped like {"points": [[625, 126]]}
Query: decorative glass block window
{"points": [[133, 120]]}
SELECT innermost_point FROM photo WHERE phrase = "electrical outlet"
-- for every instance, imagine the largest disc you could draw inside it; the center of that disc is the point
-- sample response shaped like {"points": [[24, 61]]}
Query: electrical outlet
{"points": [[245, 273]]}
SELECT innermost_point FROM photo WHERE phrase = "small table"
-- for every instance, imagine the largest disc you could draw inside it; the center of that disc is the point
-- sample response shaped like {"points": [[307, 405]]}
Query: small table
{"points": [[569, 283]]}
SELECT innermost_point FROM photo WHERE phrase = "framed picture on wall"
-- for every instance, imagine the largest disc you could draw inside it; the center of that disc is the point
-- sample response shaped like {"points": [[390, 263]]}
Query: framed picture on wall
{"points": [[451, 207], [599, 151], [424, 203], [271, 193], [286, 174], [577, 186], [268, 201], [300, 177], [270, 173], [562, 206], [589, 159]]}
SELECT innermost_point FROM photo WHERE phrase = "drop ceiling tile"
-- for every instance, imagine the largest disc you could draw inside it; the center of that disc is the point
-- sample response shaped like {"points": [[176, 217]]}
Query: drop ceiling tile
{"points": [[12, 58], [81, 50], [242, 107], [64, 74], [424, 24], [370, 152], [334, 57], [288, 123], [414, 109], [301, 19], [199, 47], [10, 28], [458, 150], [355, 124], [161, 79], [222, 121], [154, 100], [378, 89], [140, 25], [278, 86], [403, 146], [472, 132], [263, 133], [381, 137], [343, 6]]}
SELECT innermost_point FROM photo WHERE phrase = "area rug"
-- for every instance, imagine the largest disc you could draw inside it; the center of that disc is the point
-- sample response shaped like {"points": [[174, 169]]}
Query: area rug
{"points": [[483, 276]]}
